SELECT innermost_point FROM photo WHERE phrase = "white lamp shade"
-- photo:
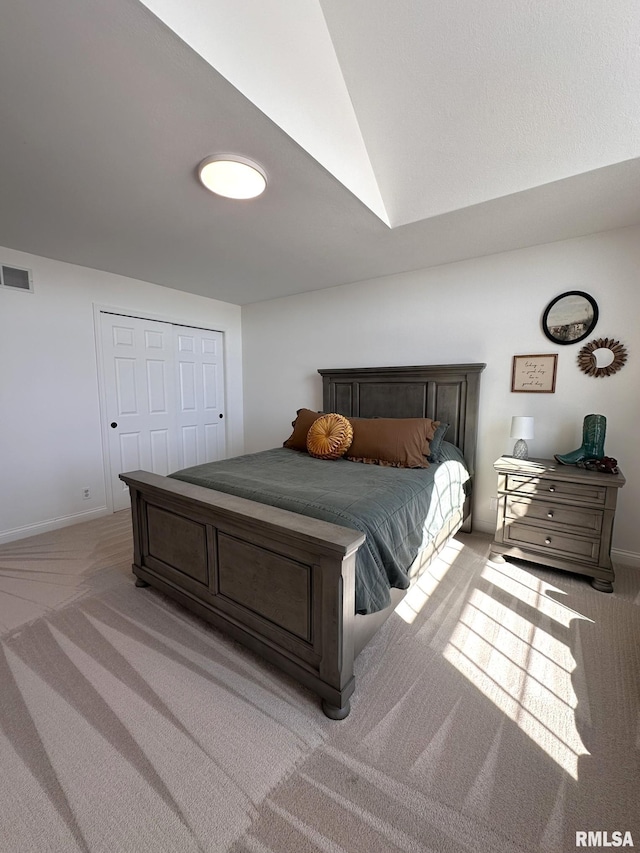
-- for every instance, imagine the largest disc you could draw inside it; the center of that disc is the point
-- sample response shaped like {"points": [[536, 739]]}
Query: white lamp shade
{"points": [[521, 427]]}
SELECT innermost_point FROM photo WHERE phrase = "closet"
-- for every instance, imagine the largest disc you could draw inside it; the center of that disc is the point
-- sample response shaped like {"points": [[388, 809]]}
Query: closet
{"points": [[163, 397]]}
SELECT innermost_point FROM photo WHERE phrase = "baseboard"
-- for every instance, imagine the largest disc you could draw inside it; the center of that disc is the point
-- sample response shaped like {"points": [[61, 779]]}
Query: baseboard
{"points": [[51, 524], [481, 526], [627, 558]]}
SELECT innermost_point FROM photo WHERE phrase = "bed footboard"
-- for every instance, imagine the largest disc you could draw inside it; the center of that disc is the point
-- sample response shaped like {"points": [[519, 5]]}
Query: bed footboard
{"points": [[280, 583]]}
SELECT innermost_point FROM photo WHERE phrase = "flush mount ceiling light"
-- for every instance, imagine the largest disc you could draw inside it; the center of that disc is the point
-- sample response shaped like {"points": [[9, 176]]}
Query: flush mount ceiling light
{"points": [[232, 176]]}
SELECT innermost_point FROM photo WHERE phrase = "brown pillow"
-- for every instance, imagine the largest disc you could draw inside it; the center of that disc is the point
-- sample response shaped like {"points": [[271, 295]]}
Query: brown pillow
{"points": [[298, 438], [329, 437], [398, 442]]}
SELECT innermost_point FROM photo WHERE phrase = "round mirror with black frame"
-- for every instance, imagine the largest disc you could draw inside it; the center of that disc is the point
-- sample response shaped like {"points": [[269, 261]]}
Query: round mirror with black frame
{"points": [[570, 317]]}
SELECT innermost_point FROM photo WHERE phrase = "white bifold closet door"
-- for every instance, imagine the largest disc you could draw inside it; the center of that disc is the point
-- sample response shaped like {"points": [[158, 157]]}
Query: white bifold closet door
{"points": [[164, 397]]}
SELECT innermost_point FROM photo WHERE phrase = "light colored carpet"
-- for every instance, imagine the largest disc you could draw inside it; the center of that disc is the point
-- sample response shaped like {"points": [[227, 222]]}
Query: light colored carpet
{"points": [[499, 710]]}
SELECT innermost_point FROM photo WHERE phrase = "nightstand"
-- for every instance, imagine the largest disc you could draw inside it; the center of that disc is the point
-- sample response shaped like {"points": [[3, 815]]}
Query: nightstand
{"points": [[557, 515]]}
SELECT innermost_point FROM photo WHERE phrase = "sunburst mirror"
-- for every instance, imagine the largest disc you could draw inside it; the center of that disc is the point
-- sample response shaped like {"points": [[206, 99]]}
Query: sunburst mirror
{"points": [[602, 357]]}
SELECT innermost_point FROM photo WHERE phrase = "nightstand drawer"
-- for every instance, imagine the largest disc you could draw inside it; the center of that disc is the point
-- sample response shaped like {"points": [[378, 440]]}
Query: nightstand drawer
{"points": [[554, 515], [560, 489], [558, 544]]}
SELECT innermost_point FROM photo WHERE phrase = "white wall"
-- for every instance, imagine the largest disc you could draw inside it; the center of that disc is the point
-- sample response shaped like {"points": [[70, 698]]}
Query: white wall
{"points": [[50, 431], [482, 310]]}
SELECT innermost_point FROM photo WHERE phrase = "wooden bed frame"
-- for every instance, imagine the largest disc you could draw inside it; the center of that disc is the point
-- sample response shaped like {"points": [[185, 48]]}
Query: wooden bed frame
{"points": [[281, 583]]}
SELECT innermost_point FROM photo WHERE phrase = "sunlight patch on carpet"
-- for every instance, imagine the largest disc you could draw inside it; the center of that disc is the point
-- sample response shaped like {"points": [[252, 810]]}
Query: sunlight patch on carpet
{"points": [[427, 583], [512, 643]]}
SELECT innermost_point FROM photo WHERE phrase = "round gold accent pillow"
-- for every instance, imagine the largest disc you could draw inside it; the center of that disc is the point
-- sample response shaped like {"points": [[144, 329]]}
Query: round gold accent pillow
{"points": [[329, 437]]}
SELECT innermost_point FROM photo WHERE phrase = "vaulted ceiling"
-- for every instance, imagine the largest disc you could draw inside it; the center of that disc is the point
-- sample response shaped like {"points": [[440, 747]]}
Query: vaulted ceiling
{"points": [[395, 135]]}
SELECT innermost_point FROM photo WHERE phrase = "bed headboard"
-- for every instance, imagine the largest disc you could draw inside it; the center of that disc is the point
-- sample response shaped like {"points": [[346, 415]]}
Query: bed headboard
{"points": [[444, 392]]}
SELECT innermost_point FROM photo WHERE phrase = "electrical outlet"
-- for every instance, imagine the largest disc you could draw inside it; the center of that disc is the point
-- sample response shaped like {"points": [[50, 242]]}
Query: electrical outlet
{"points": [[494, 504], [86, 494]]}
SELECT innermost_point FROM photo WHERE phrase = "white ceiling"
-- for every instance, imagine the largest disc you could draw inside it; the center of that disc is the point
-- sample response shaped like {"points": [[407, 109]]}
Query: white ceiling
{"points": [[395, 135]]}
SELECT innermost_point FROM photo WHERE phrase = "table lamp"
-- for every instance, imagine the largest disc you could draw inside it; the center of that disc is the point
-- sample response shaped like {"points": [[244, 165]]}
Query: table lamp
{"points": [[521, 428]]}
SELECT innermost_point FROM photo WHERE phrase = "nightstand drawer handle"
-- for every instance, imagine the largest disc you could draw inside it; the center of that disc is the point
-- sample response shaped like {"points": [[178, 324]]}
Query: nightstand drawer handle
{"points": [[552, 488], [550, 514], [547, 541]]}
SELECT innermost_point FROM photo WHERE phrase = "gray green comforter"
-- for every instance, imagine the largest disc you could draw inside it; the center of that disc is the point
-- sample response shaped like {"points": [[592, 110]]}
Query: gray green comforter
{"points": [[400, 510]]}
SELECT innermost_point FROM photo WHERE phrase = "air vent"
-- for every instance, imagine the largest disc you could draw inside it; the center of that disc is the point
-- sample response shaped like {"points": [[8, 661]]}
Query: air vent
{"points": [[16, 278]]}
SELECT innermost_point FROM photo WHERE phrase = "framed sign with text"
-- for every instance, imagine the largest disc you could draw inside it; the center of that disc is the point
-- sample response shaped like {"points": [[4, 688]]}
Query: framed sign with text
{"points": [[534, 374]]}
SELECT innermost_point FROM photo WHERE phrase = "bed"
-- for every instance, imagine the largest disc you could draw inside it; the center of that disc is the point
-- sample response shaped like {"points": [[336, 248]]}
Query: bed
{"points": [[287, 584]]}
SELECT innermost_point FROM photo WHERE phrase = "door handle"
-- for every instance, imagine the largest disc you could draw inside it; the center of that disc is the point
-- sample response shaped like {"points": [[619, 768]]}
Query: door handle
{"points": [[113, 424]]}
